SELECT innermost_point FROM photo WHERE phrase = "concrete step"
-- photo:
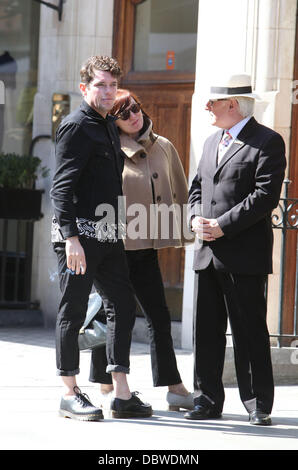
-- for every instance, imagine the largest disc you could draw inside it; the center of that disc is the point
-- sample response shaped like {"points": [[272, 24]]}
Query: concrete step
{"points": [[284, 360], [21, 317]]}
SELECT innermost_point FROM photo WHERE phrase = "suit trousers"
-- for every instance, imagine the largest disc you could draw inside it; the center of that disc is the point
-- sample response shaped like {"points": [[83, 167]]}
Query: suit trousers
{"points": [[147, 282], [241, 299], [107, 269]]}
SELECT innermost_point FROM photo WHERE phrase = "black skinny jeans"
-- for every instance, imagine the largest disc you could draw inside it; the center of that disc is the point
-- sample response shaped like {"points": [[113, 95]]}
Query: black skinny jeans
{"points": [[147, 282], [107, 269]]}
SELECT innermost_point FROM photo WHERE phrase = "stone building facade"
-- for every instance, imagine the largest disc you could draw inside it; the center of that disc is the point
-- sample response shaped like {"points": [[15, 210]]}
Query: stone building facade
{"points": [[256, 36]]}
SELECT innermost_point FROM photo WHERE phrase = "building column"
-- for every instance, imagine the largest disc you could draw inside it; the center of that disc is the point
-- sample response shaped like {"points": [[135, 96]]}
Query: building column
{"points": [[256, 37], [221, 37], [86, 29]]}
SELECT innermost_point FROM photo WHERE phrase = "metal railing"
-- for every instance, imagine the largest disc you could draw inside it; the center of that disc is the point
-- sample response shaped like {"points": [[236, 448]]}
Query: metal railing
{"points": [[16, 242], [285, 218]]}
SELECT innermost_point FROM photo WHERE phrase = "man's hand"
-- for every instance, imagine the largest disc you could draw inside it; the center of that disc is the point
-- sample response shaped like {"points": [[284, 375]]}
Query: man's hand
{"points": [[75, 255], [206, 229]]}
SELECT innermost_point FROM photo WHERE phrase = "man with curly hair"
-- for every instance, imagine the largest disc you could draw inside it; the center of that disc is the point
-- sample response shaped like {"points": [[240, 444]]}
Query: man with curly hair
{"points": [[89, 165]]}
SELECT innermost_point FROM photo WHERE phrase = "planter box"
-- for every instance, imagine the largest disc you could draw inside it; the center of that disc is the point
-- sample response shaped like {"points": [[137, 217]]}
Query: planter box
{"points": [[21, 204]]}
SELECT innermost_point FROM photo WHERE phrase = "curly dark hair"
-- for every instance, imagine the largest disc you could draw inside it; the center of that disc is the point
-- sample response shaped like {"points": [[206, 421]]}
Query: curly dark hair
{"points": [[97, 62]]}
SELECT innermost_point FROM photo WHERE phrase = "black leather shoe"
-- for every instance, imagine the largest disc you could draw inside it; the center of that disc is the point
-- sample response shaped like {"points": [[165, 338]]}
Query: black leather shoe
{"points": [[203, 412], [79, 407], [132, 408], [259, 418], [204, 409]]}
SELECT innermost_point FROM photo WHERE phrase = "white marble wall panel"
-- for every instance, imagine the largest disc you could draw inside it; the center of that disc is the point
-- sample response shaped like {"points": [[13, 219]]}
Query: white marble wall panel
{"points": [[256, 36], [104, 18], [87, 18]]}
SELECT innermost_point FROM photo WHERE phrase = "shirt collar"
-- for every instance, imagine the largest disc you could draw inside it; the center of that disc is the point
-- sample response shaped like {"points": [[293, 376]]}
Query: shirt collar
{"points": [[235, 130], [91, 112]]}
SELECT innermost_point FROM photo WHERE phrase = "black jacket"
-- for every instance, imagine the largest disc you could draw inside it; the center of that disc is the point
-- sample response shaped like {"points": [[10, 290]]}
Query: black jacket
{"points": [[240, 193], [89, 164]]}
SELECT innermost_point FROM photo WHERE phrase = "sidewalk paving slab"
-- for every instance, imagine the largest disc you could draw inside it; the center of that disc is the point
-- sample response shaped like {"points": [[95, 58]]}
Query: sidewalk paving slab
{"points": [[30, 395]]}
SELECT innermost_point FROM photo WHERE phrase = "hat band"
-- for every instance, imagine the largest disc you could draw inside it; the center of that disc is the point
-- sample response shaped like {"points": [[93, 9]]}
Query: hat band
{"points": [[231, 91]]}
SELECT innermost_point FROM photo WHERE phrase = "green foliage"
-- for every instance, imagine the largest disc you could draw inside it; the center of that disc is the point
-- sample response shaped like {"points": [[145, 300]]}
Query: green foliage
{"points": [[20, 171]]}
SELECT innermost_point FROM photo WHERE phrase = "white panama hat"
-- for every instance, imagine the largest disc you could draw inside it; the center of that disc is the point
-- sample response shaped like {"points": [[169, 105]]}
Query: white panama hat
{"points": [[232, 86]]}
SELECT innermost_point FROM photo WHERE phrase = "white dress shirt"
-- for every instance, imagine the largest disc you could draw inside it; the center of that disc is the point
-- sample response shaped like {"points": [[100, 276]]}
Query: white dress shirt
{"points": [[234, 132]]}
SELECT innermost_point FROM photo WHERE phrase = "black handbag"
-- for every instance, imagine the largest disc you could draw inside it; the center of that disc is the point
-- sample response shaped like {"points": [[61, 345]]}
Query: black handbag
{"points": [[93, 332]]}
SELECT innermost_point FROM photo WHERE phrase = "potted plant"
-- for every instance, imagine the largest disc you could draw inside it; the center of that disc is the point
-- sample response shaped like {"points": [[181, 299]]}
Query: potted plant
{"points": [[18, 197]]}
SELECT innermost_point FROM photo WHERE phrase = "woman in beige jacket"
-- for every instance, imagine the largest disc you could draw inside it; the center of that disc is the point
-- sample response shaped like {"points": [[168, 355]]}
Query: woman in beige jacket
{"points": [[153, 181]]}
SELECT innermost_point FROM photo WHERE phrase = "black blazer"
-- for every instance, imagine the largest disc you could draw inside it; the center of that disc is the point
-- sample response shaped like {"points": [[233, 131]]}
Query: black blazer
{"points": [[240, 193]]}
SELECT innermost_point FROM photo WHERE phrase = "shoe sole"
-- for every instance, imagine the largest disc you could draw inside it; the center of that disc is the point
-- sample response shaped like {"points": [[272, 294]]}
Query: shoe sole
{"points": [[90, 417], [259, 423], [129, 414], [178, 408], [203, 417]]}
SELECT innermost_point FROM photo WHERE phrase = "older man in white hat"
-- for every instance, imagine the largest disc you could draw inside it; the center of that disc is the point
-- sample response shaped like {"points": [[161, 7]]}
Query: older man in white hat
{"points": [[237, 185]]}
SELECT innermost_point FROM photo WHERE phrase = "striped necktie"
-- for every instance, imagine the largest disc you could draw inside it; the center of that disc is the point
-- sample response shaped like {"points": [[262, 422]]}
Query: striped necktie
{"points": [[223, 145], [226, 139]]}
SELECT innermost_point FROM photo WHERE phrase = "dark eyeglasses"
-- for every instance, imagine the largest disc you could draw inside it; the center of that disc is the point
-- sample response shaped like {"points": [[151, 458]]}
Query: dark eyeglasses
{"points": [[134, 108], [211, 102]]}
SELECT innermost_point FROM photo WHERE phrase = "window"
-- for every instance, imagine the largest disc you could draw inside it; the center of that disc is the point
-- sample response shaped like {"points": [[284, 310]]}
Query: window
{"points": [[165, 35], [19, 34]]}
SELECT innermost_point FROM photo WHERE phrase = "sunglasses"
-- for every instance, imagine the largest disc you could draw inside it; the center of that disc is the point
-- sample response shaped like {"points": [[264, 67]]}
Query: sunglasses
{"points": [[134, 108], [211, 102]]}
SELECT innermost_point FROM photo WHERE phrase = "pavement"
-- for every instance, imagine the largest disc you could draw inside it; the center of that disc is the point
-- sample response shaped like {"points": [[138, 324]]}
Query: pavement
{"points": [[30, 395]]}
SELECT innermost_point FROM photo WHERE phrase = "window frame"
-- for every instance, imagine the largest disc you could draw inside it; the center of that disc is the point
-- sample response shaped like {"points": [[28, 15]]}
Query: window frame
{"points": [[123, 49]]}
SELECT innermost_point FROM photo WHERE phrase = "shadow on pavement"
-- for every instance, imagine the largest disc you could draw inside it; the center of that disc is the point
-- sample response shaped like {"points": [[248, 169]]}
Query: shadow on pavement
{"points": [[228, 424]]}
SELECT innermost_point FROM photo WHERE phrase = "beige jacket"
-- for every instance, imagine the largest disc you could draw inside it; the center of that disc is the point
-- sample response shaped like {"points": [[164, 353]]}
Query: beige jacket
{"points": [[153, 176]]}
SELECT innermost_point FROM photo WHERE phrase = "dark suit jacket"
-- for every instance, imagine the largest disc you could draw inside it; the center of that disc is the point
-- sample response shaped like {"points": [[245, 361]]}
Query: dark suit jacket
{"points": [[240, 193]]}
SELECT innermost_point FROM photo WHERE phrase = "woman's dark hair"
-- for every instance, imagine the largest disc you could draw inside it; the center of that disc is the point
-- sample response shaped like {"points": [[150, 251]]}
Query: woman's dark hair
{"points": [[123, 101]]}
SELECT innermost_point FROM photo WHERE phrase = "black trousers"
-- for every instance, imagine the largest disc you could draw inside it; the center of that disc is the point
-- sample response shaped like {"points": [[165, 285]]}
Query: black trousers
{"points": [[147, 282], [241, 298], [107, 269]]}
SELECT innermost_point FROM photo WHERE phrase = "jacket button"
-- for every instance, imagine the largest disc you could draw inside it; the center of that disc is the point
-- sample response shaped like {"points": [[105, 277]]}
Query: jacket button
{"points": [[155, 175], [143, 155], [158, 198], [213, 203]]}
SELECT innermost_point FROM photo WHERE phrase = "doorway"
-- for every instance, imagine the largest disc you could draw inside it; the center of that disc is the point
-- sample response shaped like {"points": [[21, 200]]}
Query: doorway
{"points": [[155, 44]]}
